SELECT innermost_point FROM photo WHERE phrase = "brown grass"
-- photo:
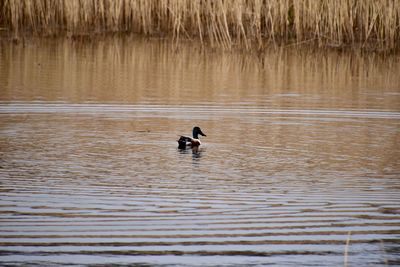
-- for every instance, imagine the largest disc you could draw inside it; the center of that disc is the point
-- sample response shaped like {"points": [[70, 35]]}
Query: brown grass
{"points": [[248, 23]]}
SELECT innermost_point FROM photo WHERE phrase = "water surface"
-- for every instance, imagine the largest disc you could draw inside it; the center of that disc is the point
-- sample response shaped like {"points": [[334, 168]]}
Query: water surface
{"points": [[302, 153]]}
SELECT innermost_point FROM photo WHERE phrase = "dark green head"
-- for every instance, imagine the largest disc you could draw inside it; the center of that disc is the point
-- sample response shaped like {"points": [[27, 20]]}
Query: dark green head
{"points": [[196, 132]]}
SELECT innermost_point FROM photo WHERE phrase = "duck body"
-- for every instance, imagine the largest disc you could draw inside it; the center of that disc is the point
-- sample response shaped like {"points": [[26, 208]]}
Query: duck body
{"points": [[191, 141]]}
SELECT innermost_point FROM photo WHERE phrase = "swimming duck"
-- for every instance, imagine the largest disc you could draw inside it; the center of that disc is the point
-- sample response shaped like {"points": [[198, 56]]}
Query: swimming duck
{"points": [[194, 142]]}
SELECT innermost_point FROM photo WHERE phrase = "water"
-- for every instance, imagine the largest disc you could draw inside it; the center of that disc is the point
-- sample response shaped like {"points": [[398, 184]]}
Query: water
{"points": [[301, 155]]}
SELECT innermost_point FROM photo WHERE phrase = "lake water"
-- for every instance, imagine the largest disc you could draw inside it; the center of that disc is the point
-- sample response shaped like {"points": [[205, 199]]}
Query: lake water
{"points": [[302, 156]]}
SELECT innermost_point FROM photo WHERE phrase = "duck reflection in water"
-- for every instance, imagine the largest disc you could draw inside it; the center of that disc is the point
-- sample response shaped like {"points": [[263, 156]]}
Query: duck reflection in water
{"points": [[196, 152]]}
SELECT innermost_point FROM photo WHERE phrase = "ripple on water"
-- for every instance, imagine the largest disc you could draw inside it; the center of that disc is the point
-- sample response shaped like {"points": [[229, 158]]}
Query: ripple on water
{"points": [[105, 184]]}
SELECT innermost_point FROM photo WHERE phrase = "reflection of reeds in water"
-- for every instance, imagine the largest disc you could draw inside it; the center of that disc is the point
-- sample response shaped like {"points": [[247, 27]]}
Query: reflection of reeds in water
{"points": [[334, 22], [139, 70]]}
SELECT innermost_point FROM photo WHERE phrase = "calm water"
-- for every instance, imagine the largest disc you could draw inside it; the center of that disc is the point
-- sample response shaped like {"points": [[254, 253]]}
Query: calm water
{"points": [[302, 154]]}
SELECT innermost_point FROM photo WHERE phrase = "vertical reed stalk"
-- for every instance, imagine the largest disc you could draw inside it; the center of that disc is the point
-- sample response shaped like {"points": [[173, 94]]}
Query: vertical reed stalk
{"points": [[346, 249]]}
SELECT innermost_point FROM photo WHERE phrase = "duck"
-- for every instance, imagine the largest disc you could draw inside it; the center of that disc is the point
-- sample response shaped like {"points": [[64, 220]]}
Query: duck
{"points": [[191, 141]]}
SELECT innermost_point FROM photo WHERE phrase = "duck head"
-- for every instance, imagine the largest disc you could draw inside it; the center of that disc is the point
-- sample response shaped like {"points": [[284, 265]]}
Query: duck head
{"points": [[196, 132]]}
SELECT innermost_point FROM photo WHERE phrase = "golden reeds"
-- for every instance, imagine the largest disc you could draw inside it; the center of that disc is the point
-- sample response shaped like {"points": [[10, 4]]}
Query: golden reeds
{"points": [[250, 23]]}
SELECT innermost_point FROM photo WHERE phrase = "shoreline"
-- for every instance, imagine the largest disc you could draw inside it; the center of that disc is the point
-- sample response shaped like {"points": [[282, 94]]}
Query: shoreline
{"points": [[268, 45]]}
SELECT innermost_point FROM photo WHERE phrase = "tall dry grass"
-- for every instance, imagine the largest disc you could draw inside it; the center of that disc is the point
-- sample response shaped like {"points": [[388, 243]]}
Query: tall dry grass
{"points": [[250, 23]]}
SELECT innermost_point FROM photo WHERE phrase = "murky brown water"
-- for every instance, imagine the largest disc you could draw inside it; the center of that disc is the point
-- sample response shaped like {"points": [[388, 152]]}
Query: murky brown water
{"points": [[298, 154]]}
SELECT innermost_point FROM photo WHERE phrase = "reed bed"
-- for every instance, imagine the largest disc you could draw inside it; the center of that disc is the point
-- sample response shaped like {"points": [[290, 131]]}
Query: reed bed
{"points": [[227, 23]]}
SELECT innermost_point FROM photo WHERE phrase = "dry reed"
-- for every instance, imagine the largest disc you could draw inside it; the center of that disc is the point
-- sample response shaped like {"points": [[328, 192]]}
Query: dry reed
{"points": [[250, 23], [346, 250]]}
